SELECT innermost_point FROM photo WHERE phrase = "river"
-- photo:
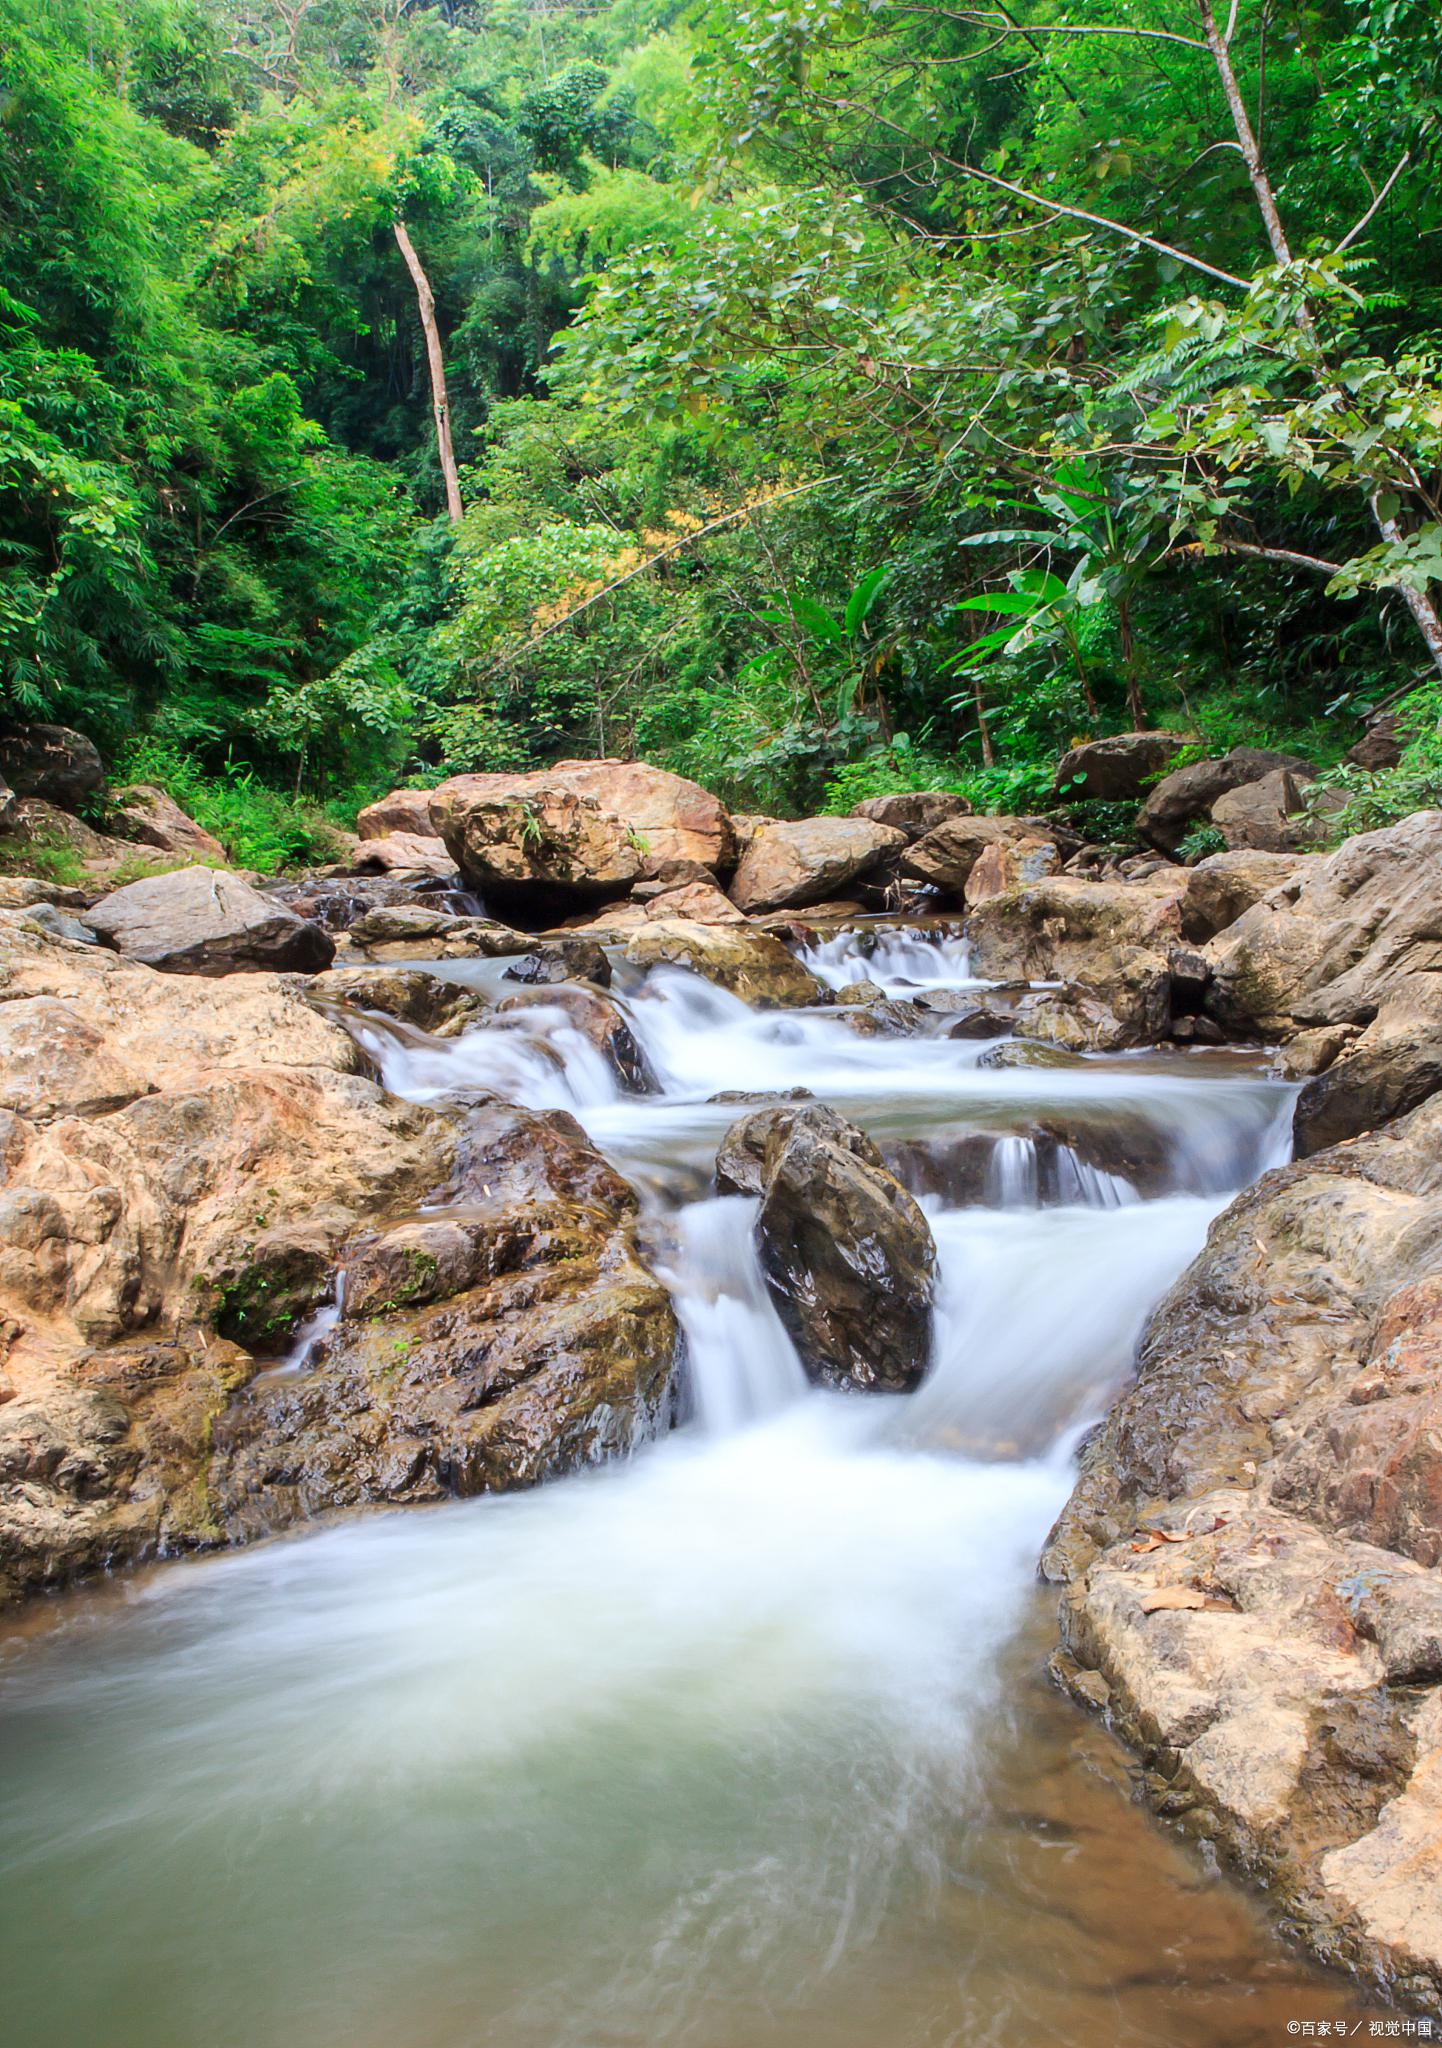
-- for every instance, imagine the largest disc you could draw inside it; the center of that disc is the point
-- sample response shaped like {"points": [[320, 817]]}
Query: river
{"points": [[744, 1743]]}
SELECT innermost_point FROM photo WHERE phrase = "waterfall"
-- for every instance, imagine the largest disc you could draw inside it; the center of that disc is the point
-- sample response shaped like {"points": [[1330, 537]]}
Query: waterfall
{"points": [[741, 1363], [899, 962]]}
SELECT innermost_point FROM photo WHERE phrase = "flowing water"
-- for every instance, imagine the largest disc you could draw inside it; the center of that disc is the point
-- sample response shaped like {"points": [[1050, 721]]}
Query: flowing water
{"points": [[742, 1744]]}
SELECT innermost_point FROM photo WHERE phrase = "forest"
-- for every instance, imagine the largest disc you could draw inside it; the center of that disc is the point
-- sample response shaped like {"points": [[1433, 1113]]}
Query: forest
{"points": [[820, 399]]}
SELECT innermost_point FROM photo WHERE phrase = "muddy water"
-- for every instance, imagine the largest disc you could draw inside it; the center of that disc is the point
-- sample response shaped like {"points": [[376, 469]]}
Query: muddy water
{"points": [[743, 1744]]}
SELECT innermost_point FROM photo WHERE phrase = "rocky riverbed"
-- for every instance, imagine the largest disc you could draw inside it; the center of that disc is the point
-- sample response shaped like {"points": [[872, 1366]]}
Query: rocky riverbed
{"points": [[402, 1184]]}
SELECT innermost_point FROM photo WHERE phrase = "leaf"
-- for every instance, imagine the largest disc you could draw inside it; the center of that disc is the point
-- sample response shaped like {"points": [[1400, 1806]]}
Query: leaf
{"points": [[1016, 601], [862, 598], [815, 618]]}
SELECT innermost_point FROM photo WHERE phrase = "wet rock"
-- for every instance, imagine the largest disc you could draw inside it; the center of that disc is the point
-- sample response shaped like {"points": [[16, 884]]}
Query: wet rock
{"points": [[206, 921], [791, 865], [51, 762], [1351, 931], [574, 959], [892, 1017], [1115, 769], [1267, 816], [981, 1022], [1385, 1074], [847, 1253], [751, 964], [1186, 796], [914, 811], [1224, 885], [408, 993], [860, 993], [484, 1352], [396, 931], [1132, 1007], [404, 853], [147, 814], [597, 1019], [405, 812], [1021, 1053]]}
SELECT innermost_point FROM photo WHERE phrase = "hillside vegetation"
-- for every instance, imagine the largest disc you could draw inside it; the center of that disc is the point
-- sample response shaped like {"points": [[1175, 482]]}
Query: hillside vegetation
{"points": [[818, 399]]}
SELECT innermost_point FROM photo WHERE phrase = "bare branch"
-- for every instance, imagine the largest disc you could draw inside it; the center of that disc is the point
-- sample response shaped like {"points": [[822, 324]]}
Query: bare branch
{"points": [[1353, 233]]}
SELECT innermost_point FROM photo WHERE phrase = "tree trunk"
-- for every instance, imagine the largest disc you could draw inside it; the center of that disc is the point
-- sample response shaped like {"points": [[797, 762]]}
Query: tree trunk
{"points": [[988, 751], [1135, 711], [440, 404], [1429, 624]]}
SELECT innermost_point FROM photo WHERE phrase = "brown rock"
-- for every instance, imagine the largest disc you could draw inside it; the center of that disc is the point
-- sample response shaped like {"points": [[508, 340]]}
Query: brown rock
{"points": [[531, 843], [677, 820], [406, 812], [1269, 816], [1009, 864], [1222, 886], [404, 853], [751, 964], [51, 762], [787, 866], [206, 921], [1186, 796], [153, 818], [945, 856], [597, 1019], [1115, 769], [697, 902], [1069, 928], [1381, 745], [914, 811]]}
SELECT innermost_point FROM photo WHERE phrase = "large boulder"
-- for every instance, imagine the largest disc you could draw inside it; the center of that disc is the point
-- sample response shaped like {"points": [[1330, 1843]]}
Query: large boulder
{"points": [[914, 811], [1186, 796], [1068, 928], [1381, 745], [751, 964], [1382, 1073], [404, 810], [945, 856], [788, 866], [673, 818], [1117, 769], [1250, 1554], [847, 1253], [1347, 933], [148, 815], [519, 1339], [52, 762], [531, 845], [205, 921], [595, 1017], [1009, 864]]}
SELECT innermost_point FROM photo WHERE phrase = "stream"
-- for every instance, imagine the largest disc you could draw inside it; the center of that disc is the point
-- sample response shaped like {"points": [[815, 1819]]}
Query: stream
{"points": [[744, 1743]]}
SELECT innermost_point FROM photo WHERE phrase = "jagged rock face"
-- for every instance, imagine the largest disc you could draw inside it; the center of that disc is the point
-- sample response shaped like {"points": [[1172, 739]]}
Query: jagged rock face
{"points": [[1009, 864], [562, 960], [848, 1254], [1391, 1069], [914, 811], [790, 866], [1186, 796], [205, 921], [945, 856], [155, 819], [51, 762], [676, 820], [514, 1339], [409, 993], [751, 964], [1222, 886], [1284, 1433], [1116, 769], [1350, 932]]}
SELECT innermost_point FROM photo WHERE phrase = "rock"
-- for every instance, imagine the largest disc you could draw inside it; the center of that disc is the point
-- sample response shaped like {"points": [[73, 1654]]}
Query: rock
{"points": [[51, 762], [396, 931], [154, 819], [1269, 816], [408, 993], [517, 1341], [698, 902], [945, 856], [405, 813], [54, 1062], [892, 1017], [205, 921], [751, 964], [1186, 796], [531, 844], [571, 959], [40, 828], [914, 811], [1349, 932], [746, 825], [1381, 745], [598, 1021], [1222, 886], [7, 805], [1116, 769], [787, 866], [1284, 1433], [404, 853], [1131, 1007], [860, 994], [676, 820], [1393, 1067], [1068, 928], [27, 892], [1009, 864], [847, 1253]]}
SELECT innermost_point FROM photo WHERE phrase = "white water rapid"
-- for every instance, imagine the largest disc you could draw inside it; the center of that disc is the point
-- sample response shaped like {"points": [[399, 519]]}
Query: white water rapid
{"points": [[738, 1745]]}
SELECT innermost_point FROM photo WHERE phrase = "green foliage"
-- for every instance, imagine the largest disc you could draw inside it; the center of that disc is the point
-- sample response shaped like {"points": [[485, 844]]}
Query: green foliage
{"points": [[259, 827]]}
